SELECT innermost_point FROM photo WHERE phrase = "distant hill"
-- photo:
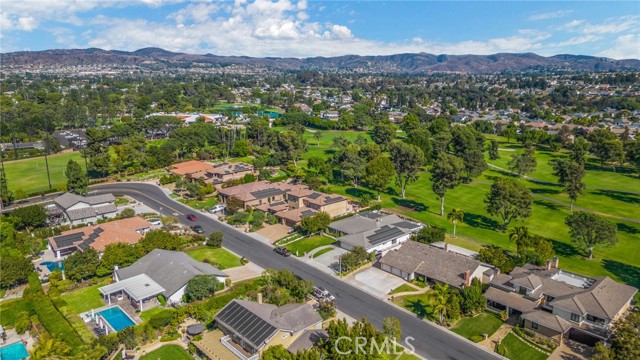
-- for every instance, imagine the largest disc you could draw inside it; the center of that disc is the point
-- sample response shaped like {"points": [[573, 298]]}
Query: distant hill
{"points": [[400, 63]]}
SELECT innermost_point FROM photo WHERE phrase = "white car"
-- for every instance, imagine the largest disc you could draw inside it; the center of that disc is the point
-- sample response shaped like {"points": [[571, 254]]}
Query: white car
{"points": [[217, 208], [155, 222]]}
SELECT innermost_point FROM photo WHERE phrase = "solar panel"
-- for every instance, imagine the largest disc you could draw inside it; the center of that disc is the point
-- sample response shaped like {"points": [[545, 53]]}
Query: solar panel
{"points": [[307, 213], [267, 193], [335, 199], [246, 324], [83, 246], [383, 234], [98, 230], [314, 195], [371, 215], [68, 240]]}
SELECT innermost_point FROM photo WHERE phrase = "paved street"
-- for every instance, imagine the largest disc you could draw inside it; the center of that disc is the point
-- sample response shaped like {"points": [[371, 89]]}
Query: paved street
{"points": [[429, 340]]}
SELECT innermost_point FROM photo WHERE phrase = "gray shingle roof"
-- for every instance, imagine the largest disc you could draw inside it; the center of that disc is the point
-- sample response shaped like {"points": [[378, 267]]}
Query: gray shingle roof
{"points": [[171, 269], [366, 221], [91, 211], [67, 200], [548, 320]]}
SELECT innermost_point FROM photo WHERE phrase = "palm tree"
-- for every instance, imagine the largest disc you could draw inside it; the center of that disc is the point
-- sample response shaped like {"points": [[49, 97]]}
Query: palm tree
{"points": [[50, 348], [438, 298], [455, 215], [520, 235]]}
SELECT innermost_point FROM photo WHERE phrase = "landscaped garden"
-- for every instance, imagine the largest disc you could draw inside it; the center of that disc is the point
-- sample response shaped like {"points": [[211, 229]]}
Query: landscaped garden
{"points": [[218, 257], [476, 327], [168, 352], [402, 288], [84, 299], [517, 349], [305, 245]]}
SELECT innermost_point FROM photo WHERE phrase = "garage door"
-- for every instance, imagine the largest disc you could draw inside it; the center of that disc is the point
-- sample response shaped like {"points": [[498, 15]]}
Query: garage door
{"points": [[583, 337], [386, 267]]}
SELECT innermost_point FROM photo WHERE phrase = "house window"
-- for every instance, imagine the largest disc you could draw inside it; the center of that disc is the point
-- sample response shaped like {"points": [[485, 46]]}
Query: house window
{"points": [[394, 241], [534, 325], [522, 290], [595, 320], [575, 317]]}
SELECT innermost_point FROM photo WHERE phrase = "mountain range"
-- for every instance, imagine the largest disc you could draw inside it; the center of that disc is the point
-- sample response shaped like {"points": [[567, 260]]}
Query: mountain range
{"points": [[399, 63]]}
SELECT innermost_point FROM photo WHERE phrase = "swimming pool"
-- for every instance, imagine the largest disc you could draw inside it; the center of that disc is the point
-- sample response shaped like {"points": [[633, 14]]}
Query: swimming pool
{"points": [[53, 265], [15, 351], [117, 318]]}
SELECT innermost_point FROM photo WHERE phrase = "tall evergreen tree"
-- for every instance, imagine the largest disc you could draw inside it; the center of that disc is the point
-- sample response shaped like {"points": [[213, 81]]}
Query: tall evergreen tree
{"points": [[76, 178]]}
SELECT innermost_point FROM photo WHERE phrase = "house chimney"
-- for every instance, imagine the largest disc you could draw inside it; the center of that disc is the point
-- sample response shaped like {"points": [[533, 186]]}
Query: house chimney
{"points": [[548, 265], [446, 246], [467, 278], [259, 298], [115, 267], [556, 262]]}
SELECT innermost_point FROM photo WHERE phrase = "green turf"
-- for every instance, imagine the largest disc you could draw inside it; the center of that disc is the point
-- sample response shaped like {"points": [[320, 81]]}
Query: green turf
{"points": [[207, 203], [168, 352], [300, 247], [402, 288], [148, 314], [30, 175], [417, 304], [223, 258], [520, 350], [9, 309], [478, 325], [322, 252], [84, 299]]}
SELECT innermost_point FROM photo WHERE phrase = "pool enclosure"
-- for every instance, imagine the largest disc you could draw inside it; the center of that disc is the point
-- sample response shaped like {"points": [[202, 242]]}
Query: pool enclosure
{"points": [[138, 289]]}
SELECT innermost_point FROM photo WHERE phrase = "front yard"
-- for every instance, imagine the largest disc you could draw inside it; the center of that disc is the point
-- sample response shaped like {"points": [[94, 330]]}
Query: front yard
{"points": [[517, 349], [84, 299], [218, 257], [417, 304], [302, 246], [485, 323], [205, 204]]}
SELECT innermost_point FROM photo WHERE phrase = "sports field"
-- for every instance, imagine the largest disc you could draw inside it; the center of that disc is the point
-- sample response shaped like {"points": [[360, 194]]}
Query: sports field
{"points": [[30, 175]]}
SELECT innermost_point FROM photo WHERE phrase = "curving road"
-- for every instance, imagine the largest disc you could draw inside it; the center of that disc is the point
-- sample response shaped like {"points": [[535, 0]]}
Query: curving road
{"points": [[430, 341]]}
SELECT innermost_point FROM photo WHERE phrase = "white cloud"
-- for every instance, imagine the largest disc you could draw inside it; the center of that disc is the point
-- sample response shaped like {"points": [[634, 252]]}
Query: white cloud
{"points": [[578, 40], [613, 25], [549, 15], [625, 47]]}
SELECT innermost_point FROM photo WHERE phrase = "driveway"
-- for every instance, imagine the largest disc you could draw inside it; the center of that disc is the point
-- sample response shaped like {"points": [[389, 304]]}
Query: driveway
{"points": [[331, 259], [248, 271], [274, 232], [375, 281], [571, 350]]}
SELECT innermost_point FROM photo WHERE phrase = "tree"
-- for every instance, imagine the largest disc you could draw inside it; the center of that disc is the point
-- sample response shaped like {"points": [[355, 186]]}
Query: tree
{"points": [[29, 217], [120, 254], [579, 149], [383, 134], [438, 298], [472, 300], [602, 352], [509, 199], [496, 256], [509, 132], [525, 163], [446, 174], [127, 213], [454, 216], [588, 230], [429, 235], [521, 237], [201, 286], [421, 137], [494, 154], [392, 328], [625, 342], [15, 268], [5, 195], [408, 161], [317, 135], [351, 163], [241, 148], [234, 204], [215, 239], [76, 178], [570, 174], [318, 222], [378, 172], [81, 264], [50, 348], [277, 352], [353, 258], [160, 240]]}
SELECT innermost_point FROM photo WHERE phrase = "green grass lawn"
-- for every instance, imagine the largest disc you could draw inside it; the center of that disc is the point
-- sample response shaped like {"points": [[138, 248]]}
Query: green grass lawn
{"points": [[519, 350], [223, 258], [402, 288], [168, 352], [148, 314], [417, 304], [30, 175], [321, 252], [207, 203], [478, 325], [9, 309], [300, 247], [84, 299]]}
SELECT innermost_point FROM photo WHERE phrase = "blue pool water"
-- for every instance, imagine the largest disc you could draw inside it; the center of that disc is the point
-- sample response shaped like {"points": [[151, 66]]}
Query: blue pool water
{"points": [[52, 265], [15, 351], [117, 318]]}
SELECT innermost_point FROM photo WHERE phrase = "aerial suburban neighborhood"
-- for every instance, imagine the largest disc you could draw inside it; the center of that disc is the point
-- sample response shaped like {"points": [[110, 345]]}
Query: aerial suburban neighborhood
{"points": [[294, 180]]}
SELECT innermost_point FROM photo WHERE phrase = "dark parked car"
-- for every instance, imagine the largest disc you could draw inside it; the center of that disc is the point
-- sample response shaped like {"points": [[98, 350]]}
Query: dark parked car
{"points": [[197, 229], [282, 251], [192, 217]]}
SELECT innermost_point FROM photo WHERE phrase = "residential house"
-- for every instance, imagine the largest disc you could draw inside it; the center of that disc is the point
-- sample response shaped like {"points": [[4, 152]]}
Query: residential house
{"points": [[86, 209], [414, 260], [224, 172], [249, 327], [556, 303], [128, 231], [258, 192], [374, 231], [159, 272], [189, 168]]}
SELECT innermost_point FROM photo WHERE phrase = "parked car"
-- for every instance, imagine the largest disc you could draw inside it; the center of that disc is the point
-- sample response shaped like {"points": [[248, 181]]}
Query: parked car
{"points": [[322, 294], [217, 208], [282, 251], [155, 222], [192, 217], [197, 229]]}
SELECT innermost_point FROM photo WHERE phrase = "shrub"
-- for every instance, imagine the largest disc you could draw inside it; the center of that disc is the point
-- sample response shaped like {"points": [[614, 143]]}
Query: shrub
{"points": [[502, 350], [168, 179], [476, 338], [162, 300], [429, 235], [238, 218], [127, 213], [23, 322], [161, 319], [272, 219], [215, 239], [258, 218]]}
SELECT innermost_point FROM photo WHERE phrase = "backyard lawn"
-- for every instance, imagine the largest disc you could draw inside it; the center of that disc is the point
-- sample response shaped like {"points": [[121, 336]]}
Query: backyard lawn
{"points": [[30, 175], [479, 325], [520, 350], [168, 352], [218, 257], [84, 299], [148, 314], [302, 246]]}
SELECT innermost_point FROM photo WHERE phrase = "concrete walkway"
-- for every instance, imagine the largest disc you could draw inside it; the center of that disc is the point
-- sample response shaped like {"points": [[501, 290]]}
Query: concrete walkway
{"points": [[497, 337]]}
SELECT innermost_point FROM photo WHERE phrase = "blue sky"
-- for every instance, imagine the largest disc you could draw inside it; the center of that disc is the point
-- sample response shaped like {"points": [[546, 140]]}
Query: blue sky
{"points": [[325, 28]]}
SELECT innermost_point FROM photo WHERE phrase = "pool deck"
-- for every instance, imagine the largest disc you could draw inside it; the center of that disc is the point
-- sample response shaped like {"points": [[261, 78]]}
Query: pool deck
{"points": [[124, 304], [14, 337]]}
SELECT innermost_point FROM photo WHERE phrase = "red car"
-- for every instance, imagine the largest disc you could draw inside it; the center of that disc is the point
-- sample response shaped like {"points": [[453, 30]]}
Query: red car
{"points": [[192, 217]]}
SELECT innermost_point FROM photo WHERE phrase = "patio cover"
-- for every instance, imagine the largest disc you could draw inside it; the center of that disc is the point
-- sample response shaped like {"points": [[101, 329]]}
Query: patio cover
{"points": [[139, 287]]}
